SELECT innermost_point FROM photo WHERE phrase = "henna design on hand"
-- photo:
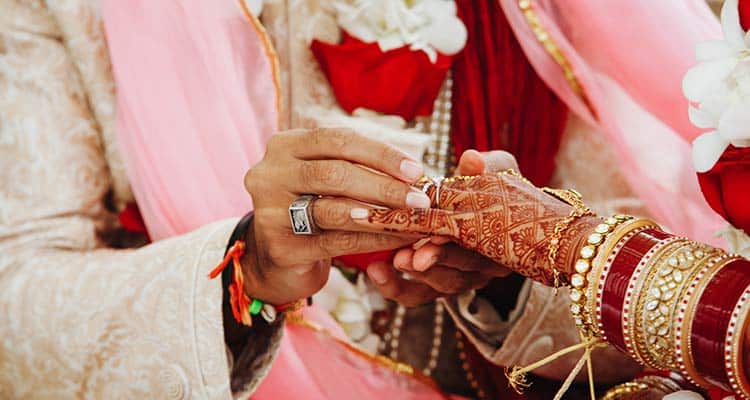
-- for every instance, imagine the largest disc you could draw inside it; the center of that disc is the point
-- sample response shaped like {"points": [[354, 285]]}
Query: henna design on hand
{"points": [[501, 216]]}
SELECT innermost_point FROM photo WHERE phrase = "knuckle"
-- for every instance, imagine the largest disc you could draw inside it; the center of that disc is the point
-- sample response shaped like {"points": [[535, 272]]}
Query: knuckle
{"points": [[275, 253], [335, 174], [274, 144], [393, 192], [330, 174], [505, 160], [263, 223], [335, 138], [251, 180], [330, 214], [339, 243], [391, 156]]}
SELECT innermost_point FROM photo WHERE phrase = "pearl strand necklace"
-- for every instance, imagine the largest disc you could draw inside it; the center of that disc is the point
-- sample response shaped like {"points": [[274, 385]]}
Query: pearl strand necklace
{"points": [[393, 336], [438, 154]]}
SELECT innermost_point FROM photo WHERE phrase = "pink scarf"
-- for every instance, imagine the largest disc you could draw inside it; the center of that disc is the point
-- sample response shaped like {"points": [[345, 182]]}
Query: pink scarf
{"points": [[628, 58], [198, 96]]}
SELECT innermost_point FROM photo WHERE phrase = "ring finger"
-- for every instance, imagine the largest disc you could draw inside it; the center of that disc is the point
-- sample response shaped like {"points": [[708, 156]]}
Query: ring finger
{"points": [[345, 179]]}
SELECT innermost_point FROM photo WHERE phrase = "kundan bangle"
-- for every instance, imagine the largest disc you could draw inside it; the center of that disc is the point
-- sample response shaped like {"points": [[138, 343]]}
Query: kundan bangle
{"points": [[636, 287], [669, 275], [583, 266]]}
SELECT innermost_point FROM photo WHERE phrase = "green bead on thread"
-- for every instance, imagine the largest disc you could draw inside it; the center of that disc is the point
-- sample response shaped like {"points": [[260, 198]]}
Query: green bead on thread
{"points": [[255, 307]]}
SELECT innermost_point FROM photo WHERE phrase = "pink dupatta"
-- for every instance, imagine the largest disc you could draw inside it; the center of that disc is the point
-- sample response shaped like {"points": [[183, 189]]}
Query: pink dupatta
{"points": [[197, 98], [619, 64]]}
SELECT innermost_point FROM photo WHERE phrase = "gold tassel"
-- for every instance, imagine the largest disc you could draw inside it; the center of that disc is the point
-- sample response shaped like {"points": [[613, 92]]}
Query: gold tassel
{"points": [[517, 376], [590, 370]]}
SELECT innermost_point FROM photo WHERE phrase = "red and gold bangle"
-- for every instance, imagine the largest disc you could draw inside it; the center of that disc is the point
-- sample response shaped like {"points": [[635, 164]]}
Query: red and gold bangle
{"points": [[685, 315], [618, 283], [671, 274], [626, 232], [636, 287], [734, 361], [647, 311], [713, 325]]}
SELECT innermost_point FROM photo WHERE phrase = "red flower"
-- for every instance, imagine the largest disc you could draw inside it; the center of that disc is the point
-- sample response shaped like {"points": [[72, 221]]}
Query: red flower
{"points": [[362, 261], [399, 81], [726, 187], [744, 6]]}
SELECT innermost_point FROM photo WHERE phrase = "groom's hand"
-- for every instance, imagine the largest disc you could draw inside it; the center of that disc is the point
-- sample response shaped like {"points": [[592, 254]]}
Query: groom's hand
{"points": [[441, 267], [351, 172]]}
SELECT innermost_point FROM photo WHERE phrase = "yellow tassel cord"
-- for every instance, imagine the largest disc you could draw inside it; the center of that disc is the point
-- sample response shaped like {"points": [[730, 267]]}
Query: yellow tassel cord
{"points": [[590, 370], [518, 380]]}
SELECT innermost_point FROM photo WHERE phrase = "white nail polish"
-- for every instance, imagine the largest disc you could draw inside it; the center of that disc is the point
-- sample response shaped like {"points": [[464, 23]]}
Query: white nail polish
{"points": [[411, 170], [359, 213], [417, 199]]}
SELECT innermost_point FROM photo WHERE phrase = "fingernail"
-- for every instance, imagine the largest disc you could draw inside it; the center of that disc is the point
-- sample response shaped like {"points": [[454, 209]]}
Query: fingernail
{"points": [[377, 275], [426, 265], [411, 170], [402, 265], [416, 199], [359, 213]]}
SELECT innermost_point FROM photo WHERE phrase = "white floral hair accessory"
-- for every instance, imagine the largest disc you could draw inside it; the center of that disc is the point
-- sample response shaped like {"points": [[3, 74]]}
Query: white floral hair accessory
{"points": [[427, 25], [719, 87]]}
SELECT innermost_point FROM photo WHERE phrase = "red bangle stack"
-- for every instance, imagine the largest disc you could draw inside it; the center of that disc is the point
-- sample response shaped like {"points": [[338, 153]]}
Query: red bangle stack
{"points": [[706, 306], [715, 328]]}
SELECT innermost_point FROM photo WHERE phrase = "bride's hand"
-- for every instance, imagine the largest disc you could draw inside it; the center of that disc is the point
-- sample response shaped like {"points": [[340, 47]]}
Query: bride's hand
{"points": [[441, 267], [501, 216]]}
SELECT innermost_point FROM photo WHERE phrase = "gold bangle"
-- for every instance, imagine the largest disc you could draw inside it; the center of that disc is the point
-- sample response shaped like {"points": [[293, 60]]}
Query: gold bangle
{"points": [[580, 279], [624, 389], [670, 273], [635, 287], [573, 199]]}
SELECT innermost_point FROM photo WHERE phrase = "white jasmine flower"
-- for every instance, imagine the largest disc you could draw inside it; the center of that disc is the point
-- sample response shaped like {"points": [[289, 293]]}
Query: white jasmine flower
{"points": [[720, 88], [427, 25], [351, 306]]}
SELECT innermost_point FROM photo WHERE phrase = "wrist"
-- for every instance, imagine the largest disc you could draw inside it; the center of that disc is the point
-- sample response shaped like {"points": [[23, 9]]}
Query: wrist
{"points": [[576, 238], [261, 283], [255, 285]]}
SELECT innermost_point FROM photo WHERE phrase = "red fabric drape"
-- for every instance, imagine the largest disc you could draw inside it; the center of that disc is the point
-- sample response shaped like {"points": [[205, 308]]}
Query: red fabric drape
{"points": [[399, 81], [499, 102]]}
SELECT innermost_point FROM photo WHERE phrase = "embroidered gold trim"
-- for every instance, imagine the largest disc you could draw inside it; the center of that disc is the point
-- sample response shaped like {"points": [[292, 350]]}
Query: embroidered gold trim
{"points": [[273, 57], [543, 36], [398, 367]]}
